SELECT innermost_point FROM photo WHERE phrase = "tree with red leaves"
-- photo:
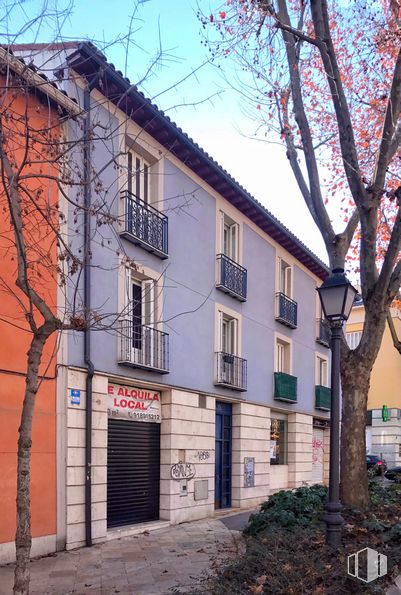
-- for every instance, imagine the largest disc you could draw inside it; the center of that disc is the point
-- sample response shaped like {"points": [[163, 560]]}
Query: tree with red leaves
{"points": [[325, 78]]}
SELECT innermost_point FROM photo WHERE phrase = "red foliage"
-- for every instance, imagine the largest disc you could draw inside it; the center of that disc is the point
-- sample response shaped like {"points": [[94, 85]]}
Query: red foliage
{"points": [[367, 38]]}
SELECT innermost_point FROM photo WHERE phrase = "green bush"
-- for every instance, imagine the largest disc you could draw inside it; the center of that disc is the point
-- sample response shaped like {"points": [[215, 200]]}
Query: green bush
{"points": [[384, 494], [289, 508], [394, 533]]}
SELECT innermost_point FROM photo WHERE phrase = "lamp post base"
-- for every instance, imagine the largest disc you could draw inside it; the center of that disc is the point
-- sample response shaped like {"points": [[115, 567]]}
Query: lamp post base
{"points": [[334, 522]]}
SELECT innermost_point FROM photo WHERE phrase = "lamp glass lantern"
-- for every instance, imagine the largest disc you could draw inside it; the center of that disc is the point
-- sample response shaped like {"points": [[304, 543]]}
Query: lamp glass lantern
{"points": [[337, 296]]}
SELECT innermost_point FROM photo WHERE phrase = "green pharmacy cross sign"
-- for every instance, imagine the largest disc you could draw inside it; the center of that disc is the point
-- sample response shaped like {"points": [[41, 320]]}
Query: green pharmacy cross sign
{"points": [[385, 413]]}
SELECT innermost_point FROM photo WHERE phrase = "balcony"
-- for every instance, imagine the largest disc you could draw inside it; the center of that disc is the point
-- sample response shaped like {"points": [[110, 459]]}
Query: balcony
{"points": [[232, 277], [285, 387], [322, 398], [323, 332], [231, 371], [286, 310], [143, 347], [145, 226]]}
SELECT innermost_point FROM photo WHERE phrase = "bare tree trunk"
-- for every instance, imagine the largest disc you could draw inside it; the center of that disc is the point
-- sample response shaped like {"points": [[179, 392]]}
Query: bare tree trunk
{"points": [[356, 370], [354, 478], [23, 537]]}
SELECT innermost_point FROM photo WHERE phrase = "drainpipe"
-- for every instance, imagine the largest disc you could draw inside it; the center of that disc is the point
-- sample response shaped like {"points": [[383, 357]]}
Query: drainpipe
{"points": [[87, 308]]}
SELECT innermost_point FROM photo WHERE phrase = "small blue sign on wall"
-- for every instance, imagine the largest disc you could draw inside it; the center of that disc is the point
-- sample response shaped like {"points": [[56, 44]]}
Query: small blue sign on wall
{"points": [[75, 395]]}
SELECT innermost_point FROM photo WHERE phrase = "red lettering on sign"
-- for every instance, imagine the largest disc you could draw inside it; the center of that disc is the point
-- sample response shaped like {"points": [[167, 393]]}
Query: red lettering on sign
{"points": [[130, 404], [133, 398]]}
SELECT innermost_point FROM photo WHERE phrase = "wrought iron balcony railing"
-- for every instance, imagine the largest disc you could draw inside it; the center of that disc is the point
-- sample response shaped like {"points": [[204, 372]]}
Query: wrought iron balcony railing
{"points": [[322, 397], [231, 371], [143, 347], [323, 332], [285, 387], [232, 277], [144, 225], [286, 310]]}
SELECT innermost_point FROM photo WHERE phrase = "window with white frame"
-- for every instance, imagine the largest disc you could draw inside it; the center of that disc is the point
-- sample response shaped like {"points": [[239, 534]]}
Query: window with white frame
{"points": [[228, 371], [141, 307], [322, 371], [228, 334], [283, 356], [353, 339], [229, 237], [284, 277], [138, 176], [142, 343]]}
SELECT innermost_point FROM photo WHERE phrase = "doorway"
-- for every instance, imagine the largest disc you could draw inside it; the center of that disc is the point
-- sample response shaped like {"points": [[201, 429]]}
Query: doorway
{"points": [[222, 494]]}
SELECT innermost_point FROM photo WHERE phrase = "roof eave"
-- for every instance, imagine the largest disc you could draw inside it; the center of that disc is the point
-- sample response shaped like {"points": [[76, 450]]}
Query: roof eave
{"points": [[198, 159]]}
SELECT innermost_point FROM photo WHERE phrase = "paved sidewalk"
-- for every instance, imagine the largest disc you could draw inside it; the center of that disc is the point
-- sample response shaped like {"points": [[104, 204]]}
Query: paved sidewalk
{"points": [[146, 564]]}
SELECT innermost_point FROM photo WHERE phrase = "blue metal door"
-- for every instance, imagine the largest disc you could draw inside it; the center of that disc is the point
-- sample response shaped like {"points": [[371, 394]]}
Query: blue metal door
{"points": [[222, 497]]}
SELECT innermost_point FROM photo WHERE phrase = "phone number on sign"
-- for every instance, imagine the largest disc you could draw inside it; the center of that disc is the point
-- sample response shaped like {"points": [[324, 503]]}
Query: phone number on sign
{"points": [[133, 415]]}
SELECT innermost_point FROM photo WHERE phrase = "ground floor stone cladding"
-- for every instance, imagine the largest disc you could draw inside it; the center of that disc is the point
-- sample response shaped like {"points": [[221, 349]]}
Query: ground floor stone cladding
{"points": [[251, 438], [326, 456], [75, 461], [187, 436], [299, 449], [187, 443]]}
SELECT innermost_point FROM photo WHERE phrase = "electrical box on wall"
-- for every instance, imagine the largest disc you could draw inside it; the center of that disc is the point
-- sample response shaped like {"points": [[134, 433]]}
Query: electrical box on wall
{"points": [[201, 489], [183, 487]]}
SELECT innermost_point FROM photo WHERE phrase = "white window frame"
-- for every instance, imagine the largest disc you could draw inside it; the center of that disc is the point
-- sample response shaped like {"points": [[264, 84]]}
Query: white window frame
{"points": [[220, 311], [231, 325], [229, 237], [285, 277], [322, 376], [353, 338], [282, 354], [138, 176], [149, 309]]}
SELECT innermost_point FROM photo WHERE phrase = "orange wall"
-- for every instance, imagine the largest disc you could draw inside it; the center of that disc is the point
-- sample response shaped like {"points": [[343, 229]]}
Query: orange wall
{"points": [[43, 462], [14, 345]]}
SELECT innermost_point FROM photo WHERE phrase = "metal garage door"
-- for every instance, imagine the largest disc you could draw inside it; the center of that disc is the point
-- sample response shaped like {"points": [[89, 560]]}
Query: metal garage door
{"points": [[317, 456], [133, 472]]}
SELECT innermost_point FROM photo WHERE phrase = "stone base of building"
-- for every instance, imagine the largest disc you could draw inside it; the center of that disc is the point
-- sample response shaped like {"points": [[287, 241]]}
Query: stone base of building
{"points": [[41, 546], [188, 459]]}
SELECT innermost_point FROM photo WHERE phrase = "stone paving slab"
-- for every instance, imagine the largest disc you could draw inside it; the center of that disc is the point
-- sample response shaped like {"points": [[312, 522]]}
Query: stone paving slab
{"points": [[152, 563]]}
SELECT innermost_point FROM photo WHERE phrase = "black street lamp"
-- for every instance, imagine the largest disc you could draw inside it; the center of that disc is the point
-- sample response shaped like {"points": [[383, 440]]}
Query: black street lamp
{"points": [[336, 296]]}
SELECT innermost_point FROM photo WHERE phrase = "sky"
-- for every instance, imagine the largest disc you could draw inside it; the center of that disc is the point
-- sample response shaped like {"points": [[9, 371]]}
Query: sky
{"points": [[184, 83]]}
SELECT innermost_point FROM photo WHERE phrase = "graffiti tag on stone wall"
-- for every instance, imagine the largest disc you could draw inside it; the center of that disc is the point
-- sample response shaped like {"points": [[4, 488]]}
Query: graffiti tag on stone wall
{"points": [[182, 471], [202, 455]]}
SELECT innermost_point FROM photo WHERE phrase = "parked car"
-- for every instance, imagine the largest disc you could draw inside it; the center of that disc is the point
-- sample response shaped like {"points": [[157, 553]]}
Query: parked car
{"points": [[394, 474], [376, 465]]}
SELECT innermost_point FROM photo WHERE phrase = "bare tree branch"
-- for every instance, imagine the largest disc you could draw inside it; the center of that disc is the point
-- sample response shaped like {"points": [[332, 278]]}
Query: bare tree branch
{"points": [[393, 332]]}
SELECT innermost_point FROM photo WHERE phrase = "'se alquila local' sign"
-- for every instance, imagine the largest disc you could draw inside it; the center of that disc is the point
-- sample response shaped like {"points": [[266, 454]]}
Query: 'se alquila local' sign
{"points": [[136, 404]]}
